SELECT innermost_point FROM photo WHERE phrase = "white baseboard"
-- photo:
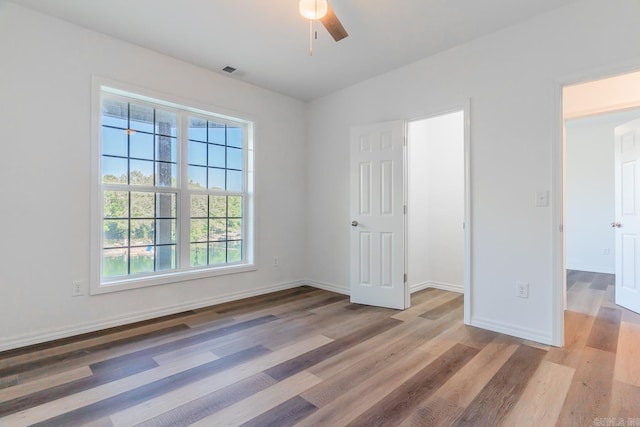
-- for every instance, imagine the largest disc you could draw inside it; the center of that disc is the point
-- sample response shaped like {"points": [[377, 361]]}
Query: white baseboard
{"points": [[44, 336], [414, 288], [591, 268], [503, 328], [328, 287], [437, 285]]}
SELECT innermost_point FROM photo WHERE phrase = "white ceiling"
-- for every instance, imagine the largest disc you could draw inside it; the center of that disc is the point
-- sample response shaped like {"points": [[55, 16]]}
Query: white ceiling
{"points": [[267, 40]]}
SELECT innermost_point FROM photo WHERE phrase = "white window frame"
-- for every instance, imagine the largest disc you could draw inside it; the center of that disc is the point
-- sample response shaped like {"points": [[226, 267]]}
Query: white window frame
{"points": [[183, 272]]}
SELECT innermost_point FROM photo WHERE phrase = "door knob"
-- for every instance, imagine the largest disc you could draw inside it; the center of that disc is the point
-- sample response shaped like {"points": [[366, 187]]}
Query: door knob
{"points": [[616, 225], [354, 223]]}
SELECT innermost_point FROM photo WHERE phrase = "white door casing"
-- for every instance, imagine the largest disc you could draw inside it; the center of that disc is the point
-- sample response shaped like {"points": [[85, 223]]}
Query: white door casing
{"points": [[378, 215], [627, 220]]}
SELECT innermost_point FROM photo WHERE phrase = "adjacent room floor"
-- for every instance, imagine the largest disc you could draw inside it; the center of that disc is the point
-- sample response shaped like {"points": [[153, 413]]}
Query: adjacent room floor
{"points": [[308, 357]]}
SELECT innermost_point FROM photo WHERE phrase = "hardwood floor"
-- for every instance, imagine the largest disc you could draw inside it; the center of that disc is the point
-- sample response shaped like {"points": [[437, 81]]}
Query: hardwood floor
{"points": [[308, 357]]}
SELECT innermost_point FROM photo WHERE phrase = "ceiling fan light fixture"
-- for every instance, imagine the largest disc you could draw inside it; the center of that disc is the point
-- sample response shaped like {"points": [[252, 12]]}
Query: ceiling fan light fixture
{"points": [[313, 9]]}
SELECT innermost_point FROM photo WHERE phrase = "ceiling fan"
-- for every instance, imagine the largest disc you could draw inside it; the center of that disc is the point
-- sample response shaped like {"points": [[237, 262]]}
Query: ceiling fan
{"points": [[321, 10]]}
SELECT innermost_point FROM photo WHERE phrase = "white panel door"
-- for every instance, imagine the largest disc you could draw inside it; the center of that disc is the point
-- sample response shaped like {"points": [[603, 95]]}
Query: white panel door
{"points": [[627, 221], [377, 215]]}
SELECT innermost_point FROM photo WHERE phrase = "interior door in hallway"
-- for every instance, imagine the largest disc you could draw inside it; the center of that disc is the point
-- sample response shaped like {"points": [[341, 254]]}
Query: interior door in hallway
{"points": [[378, 215], [627, 221]]}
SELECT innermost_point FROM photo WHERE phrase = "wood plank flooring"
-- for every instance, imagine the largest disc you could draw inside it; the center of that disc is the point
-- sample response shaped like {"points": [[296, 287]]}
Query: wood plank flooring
{"points": [[307, 357]]}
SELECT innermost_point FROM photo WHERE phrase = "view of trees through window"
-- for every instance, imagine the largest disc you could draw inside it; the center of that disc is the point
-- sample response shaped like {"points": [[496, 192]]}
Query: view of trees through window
{"points": [[143, 198]]}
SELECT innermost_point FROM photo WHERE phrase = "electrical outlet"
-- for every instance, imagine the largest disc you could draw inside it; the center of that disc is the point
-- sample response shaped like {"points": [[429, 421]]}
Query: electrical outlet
{"points": [[76, 289], [542, 199], [605, 251], [276, 262], [522, 289]]}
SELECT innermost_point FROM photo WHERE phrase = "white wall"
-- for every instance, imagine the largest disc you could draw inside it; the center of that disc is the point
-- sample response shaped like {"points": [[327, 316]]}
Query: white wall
{"points": [[590, 191], [46, 67], [436, 202], [512, 78]]}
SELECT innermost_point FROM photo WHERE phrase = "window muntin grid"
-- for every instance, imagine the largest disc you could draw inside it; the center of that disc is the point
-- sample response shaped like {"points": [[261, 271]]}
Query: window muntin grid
{"points": [[140, 161], [215, 166]]}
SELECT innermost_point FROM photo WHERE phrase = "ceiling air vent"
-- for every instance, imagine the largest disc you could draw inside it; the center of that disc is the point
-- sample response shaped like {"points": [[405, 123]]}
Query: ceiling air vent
{"points": [[228, 69]]}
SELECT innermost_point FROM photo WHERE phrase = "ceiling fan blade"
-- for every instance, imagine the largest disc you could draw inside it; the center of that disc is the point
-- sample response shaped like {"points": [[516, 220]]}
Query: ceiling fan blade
{"points": [[333, 25]]}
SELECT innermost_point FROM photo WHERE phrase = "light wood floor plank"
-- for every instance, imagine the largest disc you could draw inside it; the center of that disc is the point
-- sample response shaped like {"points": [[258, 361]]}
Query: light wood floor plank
{"points": [[170, 400], [381, 359], [434, 412], [385, 346], [465, 385], [542, 399], [590, 391], [438, 297], [333, 363], [376, 385], [261, 402], [44, 383], [395, 406], [66, 404], [505, 388], [625, 402], [583, 299], [209, 404], [577, 329], [627, 368], [355, 355]]}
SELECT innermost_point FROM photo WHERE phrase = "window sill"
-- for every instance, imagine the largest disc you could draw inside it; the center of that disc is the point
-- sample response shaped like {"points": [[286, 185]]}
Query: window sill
{"points": [[172, 277]]}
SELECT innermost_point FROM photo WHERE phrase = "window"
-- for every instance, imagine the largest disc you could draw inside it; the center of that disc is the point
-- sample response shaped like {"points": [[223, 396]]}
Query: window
{"points": [[174, 192]]}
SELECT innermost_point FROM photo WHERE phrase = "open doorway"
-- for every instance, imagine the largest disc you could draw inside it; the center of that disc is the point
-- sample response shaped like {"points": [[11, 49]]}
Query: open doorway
{"points": [[592, 167], [590, 208], [436, 190]]}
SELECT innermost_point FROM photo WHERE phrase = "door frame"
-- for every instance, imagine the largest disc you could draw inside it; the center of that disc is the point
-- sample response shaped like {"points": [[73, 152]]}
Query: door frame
{"points": [[465, 107], [558, 168]]}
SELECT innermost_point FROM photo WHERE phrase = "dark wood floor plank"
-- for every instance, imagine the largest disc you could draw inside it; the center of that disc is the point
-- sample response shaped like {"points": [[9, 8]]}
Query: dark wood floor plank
{"points": [[208, 405], [441, 310], [352, 322], [341, 373], [49, 361], [338, 407], [179, 343], [605, 330], [61, 342], [284, 415], [336, 363], [119, 367], [149, 391], [498, 397], [383, 346], [424, 295], [262, 301], [397, 405], [274, 335], [476, 337], [437, 412], [601, 281], [295, 365], [436, 297], [53, 393]]}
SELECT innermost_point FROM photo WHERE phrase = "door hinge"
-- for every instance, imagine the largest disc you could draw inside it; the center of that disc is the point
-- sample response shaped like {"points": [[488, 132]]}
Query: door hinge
{"points": [[405, 140], [561, 228], [405, 277], [405, 209]]}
